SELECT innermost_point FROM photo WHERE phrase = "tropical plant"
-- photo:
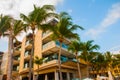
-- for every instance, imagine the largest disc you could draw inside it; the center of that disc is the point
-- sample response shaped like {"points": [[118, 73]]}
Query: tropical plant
{"points": [[110, 62], [75, 48], [88, 53], [38, 61], [99, 63], [116, 60], [62, 30], [34, 21], [11, 28]]}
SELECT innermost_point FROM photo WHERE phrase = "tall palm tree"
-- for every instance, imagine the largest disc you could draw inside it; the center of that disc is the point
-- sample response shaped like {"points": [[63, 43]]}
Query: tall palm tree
{"points": [[62, 30], [110, 62], [35, 21], [11, 28], [116, 59], [75, 48], [38, 61], [99, 63], [87, 52]]}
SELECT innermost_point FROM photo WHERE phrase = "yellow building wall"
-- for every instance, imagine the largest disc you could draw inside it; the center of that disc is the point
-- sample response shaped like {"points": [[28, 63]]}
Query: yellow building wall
{"points": [[22, 55], [38, 46]]}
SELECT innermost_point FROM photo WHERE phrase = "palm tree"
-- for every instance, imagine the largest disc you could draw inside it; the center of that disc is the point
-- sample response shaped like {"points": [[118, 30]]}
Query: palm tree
{"points": [[99, 63], [87, 52], [38, 61], [34, 20], [11, 28], [75, 48], [116, 59], [62, 30], [110, 62]]}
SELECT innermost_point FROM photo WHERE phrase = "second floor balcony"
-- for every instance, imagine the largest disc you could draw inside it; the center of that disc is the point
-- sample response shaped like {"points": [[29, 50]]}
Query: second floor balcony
{"points": [[28, 44], [16, 60], [53, 46], [27, 55]]}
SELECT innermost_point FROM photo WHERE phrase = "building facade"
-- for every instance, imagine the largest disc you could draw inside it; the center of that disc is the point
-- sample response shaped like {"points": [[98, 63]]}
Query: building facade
{"points": [[44, 47]]}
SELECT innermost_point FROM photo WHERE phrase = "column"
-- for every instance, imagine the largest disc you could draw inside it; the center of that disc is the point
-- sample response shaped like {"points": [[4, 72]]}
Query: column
{"points": [[74, 75], [46, 77], [56, 75], [68, 76], [20, 78]]}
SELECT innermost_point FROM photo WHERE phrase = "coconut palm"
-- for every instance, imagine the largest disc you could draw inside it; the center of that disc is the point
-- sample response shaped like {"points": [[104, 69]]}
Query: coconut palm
{"points": [[35, 20], [11, 28], [99, 63], [116, 60], [110, 62], [87, 52], [62, 30], [38, 61], [75, 48]]}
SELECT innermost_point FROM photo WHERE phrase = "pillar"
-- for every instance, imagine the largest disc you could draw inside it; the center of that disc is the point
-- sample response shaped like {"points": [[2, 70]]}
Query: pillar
{"points": [[46, 77], [56, 75], [68, 76]]}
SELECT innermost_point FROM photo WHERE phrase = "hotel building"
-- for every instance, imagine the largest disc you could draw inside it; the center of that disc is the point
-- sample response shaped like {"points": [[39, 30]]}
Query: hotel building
{"points": [[45, 47]]}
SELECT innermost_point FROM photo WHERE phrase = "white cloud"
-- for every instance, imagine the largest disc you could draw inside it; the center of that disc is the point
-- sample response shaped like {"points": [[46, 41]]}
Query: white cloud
{"points": [[14, 7], [112, 17], [115, 48]]}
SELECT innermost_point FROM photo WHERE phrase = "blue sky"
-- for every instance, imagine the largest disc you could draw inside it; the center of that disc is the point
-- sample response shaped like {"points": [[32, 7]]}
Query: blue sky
{"points": [[100, 18]]}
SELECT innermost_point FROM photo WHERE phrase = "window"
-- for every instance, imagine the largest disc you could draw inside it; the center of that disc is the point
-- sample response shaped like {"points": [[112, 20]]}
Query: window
{"points": [[64, 58], [27, 52], [26, 64]]}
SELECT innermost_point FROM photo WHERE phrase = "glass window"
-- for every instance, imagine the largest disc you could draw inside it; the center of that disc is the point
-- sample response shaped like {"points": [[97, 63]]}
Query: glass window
{"points": [[64, 58], [26, 64]]}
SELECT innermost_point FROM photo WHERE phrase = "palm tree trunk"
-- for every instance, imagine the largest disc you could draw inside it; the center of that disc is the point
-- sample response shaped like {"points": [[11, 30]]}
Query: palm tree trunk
{"points": [[59, 62], [10, 52], [31, 59], [37, 73], [87, 70], [110, 75], [78, 65]]}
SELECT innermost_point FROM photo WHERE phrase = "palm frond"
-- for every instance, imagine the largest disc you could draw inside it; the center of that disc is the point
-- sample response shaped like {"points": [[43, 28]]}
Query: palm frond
{"points": [[18, 27], [48, 7], [24, 17]]}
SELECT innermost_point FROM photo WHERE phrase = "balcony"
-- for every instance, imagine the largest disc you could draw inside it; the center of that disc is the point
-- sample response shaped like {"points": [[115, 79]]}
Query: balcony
{"points": [[46, 36], [53, 46], [27, 55], [28, 44], [15, 72], [53, 63], [16, 52], [26, 67], [16, 68], [49, 64], [17, 43], [16, 60]]}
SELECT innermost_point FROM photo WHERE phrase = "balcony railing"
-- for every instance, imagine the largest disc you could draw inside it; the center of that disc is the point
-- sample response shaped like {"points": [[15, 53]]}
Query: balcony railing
{"points": [[28, 42], [16, 68], [26, 65], [16, 58], [45, 33], [18, 48], [63, 45], [27, 53], [51, 43]]}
